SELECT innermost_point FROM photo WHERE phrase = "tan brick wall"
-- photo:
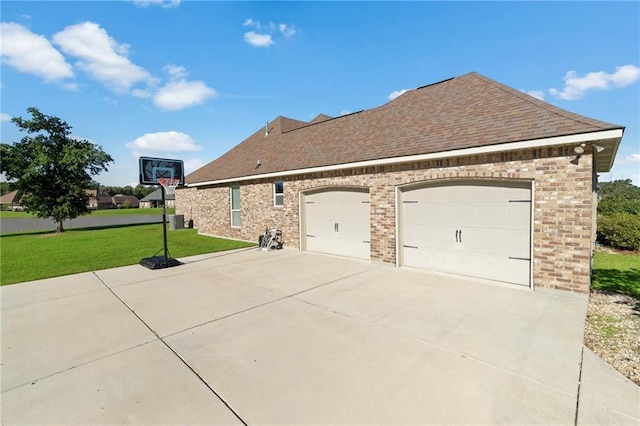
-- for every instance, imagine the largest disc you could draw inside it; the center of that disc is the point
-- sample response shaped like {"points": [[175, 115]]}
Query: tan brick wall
{"points": [[562, 207]]}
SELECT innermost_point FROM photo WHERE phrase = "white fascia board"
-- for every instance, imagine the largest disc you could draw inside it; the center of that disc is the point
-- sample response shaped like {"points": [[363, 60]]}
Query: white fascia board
{"points": [[511, 146]]}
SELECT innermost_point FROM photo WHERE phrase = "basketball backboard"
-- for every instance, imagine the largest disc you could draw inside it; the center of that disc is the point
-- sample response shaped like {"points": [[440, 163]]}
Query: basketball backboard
{"points": [[152, 169]]}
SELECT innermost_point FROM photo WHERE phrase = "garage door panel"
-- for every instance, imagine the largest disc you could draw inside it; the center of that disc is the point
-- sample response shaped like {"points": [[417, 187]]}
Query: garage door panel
{"points": [[478, 229], [498, 268], [337, 222], [428, 236]]}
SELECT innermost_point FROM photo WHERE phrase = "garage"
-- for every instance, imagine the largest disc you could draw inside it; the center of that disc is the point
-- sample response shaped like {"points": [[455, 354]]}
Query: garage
{"points": [[478, 228], [336, 221]]}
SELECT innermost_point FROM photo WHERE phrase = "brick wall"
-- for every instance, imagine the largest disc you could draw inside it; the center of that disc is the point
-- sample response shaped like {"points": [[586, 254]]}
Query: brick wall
{"points": [[562, 212]]}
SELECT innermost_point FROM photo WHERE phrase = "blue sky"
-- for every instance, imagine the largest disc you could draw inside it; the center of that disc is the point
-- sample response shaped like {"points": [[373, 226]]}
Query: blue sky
{"points": [[190, 80]]}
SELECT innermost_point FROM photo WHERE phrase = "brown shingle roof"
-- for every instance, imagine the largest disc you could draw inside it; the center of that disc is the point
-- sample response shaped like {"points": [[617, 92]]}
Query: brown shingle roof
{"points": [[463, 112]]}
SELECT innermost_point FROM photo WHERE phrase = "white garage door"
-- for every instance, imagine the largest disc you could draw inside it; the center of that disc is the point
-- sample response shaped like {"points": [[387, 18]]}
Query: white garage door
{"points": [[478, 229], [337, 222]]}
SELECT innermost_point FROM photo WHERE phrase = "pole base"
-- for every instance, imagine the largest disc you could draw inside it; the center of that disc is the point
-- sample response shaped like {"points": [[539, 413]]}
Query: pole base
{"points": [[159, 262]]}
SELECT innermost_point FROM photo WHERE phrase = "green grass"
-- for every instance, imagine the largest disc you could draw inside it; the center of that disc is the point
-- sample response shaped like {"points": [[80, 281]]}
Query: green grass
{"points": [[617, 273], [26, 257], [109, 212]]}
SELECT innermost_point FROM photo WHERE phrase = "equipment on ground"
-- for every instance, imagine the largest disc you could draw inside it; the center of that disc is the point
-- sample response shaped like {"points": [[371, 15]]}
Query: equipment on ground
{"points": [[270, 240]]}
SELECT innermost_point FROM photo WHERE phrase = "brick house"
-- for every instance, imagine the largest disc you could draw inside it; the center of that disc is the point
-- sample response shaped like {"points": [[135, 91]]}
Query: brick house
{"points": [[466, 176], [154, 200]]}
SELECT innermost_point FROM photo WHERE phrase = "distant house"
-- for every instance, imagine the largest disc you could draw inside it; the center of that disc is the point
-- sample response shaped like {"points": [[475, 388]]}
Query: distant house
{"points": [[11, 201], [127, 201], [155, 200], [99, 201]]}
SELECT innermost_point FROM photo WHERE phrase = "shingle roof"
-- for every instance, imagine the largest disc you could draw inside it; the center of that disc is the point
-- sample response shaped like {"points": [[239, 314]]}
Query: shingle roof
{"points": [[462, 112], [9, 197]]}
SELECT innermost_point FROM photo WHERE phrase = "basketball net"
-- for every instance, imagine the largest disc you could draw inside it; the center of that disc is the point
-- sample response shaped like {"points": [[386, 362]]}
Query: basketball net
{"points": [[169, 185]]}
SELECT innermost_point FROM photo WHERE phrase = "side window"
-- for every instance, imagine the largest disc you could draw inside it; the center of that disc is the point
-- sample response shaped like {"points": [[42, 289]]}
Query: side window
{"points": [[278, 194], [235, 207]]}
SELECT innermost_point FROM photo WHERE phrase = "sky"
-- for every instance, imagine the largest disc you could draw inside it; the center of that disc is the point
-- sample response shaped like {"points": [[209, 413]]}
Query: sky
{"points": [[191, 79]]}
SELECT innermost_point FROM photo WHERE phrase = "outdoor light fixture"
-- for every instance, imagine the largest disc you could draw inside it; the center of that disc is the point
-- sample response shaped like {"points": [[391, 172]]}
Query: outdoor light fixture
{"points": [[579, 149]]}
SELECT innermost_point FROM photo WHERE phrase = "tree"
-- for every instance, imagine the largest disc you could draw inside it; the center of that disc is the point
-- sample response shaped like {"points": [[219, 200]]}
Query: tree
{"points": [[619, 214], [619, 196], [52, 169]]}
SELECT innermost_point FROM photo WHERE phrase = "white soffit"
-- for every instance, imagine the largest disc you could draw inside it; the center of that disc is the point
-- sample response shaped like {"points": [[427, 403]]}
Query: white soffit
{"points": [[615, 134]]}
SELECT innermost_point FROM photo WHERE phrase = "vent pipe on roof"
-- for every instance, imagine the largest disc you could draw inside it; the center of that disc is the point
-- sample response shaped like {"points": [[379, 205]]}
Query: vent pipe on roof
{"points": [[266, 130]]}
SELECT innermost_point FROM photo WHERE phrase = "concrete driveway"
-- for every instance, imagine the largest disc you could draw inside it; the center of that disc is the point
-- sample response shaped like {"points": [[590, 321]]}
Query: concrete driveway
{"points": [[285, 337]]}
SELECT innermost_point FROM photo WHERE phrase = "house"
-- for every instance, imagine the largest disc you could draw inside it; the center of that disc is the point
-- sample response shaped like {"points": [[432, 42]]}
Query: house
{"points": [[466, 176], [99, 201], [11, 201], [124, 201], [155, 200]]}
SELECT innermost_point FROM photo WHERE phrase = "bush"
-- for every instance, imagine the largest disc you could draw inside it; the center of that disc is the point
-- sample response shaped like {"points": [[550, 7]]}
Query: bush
{"points": [[609, 206], [619, 230]]}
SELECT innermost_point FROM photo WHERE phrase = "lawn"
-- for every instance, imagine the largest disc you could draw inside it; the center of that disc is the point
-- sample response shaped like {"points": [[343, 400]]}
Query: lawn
{"points": [[617, 273], [26, 257], [109, 212]]}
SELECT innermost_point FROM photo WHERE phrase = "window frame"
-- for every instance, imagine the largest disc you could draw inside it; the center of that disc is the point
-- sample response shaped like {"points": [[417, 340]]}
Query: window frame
{"points": [[277, 194], [237, 209]]}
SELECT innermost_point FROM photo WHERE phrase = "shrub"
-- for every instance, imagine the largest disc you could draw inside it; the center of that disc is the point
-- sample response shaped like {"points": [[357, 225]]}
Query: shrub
{"points": [[619, 230], [617, 205]]}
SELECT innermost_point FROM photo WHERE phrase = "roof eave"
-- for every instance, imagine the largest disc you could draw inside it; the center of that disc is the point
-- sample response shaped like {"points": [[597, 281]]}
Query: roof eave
{"points": [[611, 136]]}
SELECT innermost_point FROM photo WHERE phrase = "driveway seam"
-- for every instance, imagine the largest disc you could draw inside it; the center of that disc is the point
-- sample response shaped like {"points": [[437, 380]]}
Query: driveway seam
{"points": [[441, 348], [175, 353], [287, 296], [82, 364]]}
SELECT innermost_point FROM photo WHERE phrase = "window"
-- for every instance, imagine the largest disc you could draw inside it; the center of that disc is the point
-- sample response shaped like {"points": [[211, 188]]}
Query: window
{"points": [[278, 194], [235, 206]]}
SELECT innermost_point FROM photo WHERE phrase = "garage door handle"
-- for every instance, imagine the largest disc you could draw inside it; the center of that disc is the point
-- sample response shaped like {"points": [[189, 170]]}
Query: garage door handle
{"points": [[457, 232], [312, 236], [460, 235], [406, 246]]}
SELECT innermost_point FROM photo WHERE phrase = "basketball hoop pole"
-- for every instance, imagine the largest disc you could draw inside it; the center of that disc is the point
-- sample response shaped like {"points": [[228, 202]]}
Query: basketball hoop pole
{"points": [[164, 229]]}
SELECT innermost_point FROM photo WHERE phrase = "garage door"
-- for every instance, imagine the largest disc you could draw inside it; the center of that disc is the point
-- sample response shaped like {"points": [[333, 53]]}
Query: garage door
{"points": [[337, 222], [478, 229]]}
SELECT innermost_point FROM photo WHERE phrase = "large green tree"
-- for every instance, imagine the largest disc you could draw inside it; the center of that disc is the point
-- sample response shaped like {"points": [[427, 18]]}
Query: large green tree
{"points": [[50, 168]]}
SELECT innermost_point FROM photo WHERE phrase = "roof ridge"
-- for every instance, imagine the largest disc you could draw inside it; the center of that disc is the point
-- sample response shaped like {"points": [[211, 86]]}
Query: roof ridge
{"points": [[324, 121], [535, 101]]}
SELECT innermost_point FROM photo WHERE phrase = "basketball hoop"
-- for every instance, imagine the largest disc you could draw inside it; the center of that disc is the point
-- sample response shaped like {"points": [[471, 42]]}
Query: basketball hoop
{"points": [[169, 185]]}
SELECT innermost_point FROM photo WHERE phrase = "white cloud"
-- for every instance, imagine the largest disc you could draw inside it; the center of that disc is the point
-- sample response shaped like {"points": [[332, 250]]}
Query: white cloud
{"points": [[5, 117], [397, 93], [287, 30], [179, 93], [163, 3], [258, 40], [575, 86], [182, 94], [634, 158], [101, 56], [162, 142], [31, 53], [538, 94], [176, 71], [251, 23], [263, 34]]}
